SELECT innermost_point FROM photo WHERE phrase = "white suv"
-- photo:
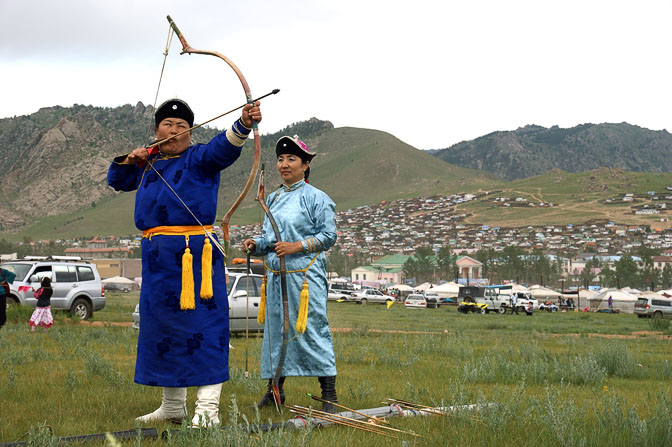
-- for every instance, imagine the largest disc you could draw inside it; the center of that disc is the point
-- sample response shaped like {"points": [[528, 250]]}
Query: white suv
{"points": [[77, 285]]}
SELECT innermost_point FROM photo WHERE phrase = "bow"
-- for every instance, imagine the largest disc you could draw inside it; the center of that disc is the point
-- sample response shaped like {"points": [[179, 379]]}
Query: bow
{"points": [[186, 48], [275, 383]]}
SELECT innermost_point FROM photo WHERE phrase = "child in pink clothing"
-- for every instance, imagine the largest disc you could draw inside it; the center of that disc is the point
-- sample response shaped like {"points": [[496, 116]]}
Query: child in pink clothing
{"points": [[42, 314]]}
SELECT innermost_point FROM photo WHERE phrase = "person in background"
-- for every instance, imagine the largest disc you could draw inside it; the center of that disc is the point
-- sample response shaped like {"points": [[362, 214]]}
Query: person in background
{"points": [[42, 314], [305, 216], [610, 302], [184, 335], [514, 301], [6, 278], [529, 309]]}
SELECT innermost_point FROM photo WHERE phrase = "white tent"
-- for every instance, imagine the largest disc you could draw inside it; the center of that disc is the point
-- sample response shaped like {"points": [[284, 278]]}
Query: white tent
{"points": [[447, 290], [544, 293], [632, 291], [587, 293], [425, 286], [515, 288], [401, 287], [666, 293], [622, 301], [119, 283], [118, 280], [650, 294]]}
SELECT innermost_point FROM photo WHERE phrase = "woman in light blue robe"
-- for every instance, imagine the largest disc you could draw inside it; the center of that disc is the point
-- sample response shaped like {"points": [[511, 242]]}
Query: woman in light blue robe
{"points": [[305, 218]]}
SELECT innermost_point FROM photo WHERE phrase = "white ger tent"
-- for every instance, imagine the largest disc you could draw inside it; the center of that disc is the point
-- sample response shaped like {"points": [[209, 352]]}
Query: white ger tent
{"points": [[544, 293], [518, 288], [424, 287], [401, 287], [120, 283], [447, 290], [622, 301]]}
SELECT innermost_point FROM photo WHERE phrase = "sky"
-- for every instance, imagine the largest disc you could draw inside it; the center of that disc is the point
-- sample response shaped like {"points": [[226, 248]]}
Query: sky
{"points": [[430, 72]]}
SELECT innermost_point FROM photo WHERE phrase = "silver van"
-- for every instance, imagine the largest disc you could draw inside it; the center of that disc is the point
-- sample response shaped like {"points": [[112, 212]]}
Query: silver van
{"points": [[77, 286], [653, 307]]}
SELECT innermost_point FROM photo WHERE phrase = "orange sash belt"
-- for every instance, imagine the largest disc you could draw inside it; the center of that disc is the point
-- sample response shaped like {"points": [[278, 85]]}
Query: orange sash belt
{"points": [[187, 295], [177, 230]]}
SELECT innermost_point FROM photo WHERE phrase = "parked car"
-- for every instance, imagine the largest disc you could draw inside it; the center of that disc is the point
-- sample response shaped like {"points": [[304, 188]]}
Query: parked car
{"points": [[433, 300], [77, 286], [238, 287], [365, 296], [340, 291], [653, 307], [415, 301]]}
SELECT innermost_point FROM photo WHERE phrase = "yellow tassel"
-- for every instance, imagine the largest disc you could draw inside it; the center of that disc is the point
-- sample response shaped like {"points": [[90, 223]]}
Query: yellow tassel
{"points": [[261, 316], [206, 270], [302, 317], [187, 298]]}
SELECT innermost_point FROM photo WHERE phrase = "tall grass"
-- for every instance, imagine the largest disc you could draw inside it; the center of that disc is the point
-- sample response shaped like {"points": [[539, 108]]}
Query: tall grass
{"points": [[540, 381]]}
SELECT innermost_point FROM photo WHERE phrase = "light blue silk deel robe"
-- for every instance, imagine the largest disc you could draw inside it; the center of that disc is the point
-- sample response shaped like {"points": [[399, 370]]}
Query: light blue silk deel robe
{"points": [[302, 213]]}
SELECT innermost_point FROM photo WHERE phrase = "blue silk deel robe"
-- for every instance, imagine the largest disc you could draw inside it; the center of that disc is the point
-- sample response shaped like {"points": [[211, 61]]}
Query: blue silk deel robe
{"points": [[180, 348], [303, 213]]}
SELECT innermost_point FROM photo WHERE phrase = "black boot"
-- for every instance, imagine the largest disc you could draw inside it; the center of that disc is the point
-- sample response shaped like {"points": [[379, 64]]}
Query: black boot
{"points": [[328, 385], [268, 397]]}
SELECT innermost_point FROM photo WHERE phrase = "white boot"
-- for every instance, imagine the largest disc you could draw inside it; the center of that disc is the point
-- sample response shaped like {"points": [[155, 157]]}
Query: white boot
{"points": [[207, 406], [173, 407]]}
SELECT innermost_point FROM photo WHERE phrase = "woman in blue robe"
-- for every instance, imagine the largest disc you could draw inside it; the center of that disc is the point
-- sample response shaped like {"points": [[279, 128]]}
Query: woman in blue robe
{"points": [[307, 226], [184, 332]]}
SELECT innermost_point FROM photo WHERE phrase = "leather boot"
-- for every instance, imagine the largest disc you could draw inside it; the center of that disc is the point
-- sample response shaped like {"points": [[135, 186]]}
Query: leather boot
{"points": [[207, 406], [328, 385], [173, 407], [268, 397]]}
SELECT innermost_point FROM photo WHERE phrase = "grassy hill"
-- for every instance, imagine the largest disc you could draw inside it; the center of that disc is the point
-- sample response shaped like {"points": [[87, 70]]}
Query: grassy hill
{"points": [[43, 195], [577, 198], [354, 166]]}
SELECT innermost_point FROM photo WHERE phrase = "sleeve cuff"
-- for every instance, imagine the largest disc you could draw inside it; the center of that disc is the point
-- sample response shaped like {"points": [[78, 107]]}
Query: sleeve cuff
{"points": [[237, 134], [120, 159]]}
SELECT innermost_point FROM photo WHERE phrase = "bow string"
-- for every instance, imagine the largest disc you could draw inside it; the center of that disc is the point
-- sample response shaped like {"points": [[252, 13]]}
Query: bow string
{"points": [[187, 49]]}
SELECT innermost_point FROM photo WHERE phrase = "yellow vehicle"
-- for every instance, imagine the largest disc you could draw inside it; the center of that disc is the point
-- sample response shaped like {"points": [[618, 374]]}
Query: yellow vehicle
{"points": [[469, 304]]}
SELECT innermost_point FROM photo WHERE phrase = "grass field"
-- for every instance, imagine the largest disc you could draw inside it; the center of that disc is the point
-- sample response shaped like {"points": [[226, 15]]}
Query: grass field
{"points": [[562, 379]]}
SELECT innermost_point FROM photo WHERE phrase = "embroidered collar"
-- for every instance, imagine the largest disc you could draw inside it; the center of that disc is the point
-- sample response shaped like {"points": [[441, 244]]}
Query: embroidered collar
{"points": [[301, 183]]}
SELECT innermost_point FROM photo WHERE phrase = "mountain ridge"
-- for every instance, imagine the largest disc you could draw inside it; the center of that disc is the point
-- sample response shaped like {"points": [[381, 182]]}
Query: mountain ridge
{"points": [[58, 157], [532, 150]]}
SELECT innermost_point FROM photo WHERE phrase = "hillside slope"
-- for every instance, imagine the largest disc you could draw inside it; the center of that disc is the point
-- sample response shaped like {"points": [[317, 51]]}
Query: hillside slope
{"points": [[533, 150], [56, 185]]}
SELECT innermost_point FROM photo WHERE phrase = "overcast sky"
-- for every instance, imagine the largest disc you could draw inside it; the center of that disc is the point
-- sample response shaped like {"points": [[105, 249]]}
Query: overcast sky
{"points": [[431, 72]]}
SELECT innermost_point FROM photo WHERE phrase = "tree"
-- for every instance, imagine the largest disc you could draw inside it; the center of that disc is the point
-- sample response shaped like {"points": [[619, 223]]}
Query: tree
{"points": [[488, 257], [587, 275], [420, 266], [446, 261], [425, 263], [649, 275], [666, 277], [627, 271]]}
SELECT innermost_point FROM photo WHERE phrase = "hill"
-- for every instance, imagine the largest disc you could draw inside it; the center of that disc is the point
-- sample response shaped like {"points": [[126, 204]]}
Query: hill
{"points": [[55, 186], [533, 150]]}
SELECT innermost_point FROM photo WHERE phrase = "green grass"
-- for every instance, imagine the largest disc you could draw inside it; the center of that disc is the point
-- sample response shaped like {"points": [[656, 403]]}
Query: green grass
{"points": [[553, 380]]}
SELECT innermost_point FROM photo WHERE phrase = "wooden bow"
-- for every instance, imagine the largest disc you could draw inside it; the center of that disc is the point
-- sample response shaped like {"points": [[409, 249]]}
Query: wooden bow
{"points": [[186, 48], [275, 383]]}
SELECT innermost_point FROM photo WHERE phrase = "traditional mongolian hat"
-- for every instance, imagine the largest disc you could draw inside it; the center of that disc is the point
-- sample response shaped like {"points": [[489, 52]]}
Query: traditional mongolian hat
{"points": [[174, 108], [292, 145]]}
